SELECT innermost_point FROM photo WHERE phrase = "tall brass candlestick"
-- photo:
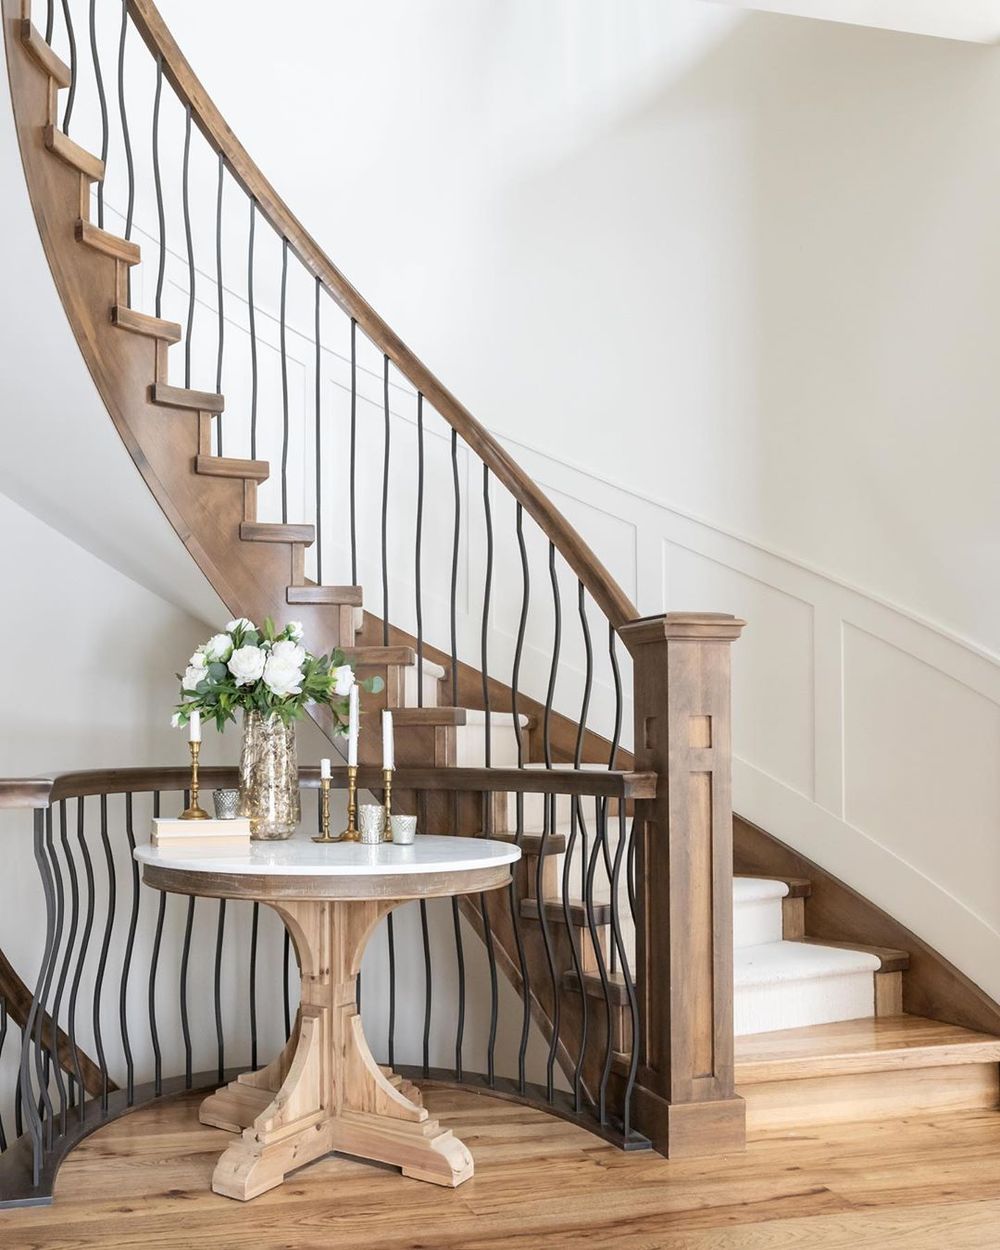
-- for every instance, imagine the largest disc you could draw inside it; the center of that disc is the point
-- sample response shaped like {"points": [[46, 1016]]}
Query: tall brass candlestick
{"points": [[351, 834], [194, 812], [324, 812], [387, 787]]}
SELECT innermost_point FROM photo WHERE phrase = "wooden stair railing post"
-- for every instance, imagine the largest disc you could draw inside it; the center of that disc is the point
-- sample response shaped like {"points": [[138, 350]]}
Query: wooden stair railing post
{"points": [[684, 1098]]}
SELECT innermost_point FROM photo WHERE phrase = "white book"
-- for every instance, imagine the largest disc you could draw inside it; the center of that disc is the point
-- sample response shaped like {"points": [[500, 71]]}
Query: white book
{"points": [[172, 829]]}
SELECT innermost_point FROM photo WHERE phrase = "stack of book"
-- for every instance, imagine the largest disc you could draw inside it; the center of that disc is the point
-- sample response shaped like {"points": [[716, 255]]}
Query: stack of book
{"points": [[172, 831]]}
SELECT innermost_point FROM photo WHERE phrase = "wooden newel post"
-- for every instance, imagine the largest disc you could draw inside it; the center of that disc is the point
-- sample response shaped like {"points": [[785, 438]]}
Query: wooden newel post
{"points": [[684, 1099]]}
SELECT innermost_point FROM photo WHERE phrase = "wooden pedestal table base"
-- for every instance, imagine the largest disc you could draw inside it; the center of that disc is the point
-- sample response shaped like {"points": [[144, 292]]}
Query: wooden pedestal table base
{"points": [[325, 1091]]}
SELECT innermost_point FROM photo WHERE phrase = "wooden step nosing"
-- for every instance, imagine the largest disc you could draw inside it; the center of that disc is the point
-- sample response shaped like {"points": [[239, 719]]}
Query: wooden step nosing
{"points": [[892, 1059], [555, 913], [891, 959], [394, 657], [267, 532], [345, 596], [111, 244], [43, 54], [181, 397], [126, 318], [228, 466], [70, 152]]}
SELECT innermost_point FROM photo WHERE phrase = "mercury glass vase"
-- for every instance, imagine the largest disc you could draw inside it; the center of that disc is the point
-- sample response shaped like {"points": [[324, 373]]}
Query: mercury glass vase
{"points": [[269, 777]]}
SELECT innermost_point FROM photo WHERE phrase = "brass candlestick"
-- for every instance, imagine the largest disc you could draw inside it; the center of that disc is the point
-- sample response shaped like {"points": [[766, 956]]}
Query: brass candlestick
{"points": [[193, 811], [324, 812], [387, 787], [351, 834]]}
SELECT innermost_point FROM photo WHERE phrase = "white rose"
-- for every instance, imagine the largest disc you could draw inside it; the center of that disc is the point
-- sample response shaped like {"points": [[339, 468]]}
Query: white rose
{"points": [[289, 653], [247, 665], [295, 630], [282, 677], [344, 679], [193, 676], [198, 661], [219, 648], [241, 622]]}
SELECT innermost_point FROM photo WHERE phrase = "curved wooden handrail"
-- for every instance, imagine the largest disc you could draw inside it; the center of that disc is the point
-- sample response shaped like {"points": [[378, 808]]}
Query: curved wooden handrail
{"points": [[598, 783], [606, 592]]}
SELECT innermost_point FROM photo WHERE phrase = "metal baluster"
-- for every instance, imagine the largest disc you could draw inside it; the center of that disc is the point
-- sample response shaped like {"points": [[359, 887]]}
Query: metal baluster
{"points": [[253, 985], [49, 20], [391, 942], [488, 759], [284, 383], [425, 934], [3, 1018], [286, 984], [548, 826], [612, 759], [27, 1098], [127, 960], [626, 973], [105, 947], [454, 568], [126, 139], [102, 100], [158, 184], [385, 504], [221, 299], [60, 899], [253, 333], [219, 938], [487, 589], [88, 925], [71, 94], [512, 890], [74, 914], [319, 443], [460, 955], [189, 329], [581, 732], [600, 835], [354, 440], [185, 1022], [418, 549], [151, 991], [45, 1108]]}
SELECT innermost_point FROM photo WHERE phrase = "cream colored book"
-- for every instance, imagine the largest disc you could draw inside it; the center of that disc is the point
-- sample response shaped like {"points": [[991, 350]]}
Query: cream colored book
{"points": [[171, 829]]}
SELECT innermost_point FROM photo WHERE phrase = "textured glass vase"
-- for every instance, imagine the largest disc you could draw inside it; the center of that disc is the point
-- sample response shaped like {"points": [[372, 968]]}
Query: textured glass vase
{"points": [[269, 777]]}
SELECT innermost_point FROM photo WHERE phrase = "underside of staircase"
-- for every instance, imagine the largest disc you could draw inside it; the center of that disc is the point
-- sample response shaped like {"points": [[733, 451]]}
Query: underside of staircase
{"points": [[829, 1026]]}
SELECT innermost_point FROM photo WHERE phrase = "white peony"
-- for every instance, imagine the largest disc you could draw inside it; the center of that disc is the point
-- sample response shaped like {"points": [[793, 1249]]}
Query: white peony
{"points": [[295, 630], [289, 653], [241, 622], [282, 676], [198, 660], [193, 676], [344, 679], [247, 665], [219, 648]]}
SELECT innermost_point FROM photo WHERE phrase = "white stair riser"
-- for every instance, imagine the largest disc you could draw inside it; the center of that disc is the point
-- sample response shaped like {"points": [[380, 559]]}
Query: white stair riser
{"points": [[431, 684], [794, 1004], [756, 921]]}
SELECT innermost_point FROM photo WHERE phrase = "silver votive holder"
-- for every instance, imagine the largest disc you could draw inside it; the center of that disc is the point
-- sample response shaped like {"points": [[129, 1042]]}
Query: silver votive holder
{"points": [[225, 803], [404, 829], [371, 823]]}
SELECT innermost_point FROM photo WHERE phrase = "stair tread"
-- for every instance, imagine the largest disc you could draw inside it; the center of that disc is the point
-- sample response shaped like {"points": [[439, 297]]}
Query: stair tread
{"points": [[60, 144], [183, 397], [349, 596], [142, 323], [795, 887], [774, 963], [881, 1043], [890, 958], [455, 716], [758, 889], [265, 532], [531, 843], [594, 986], [578, 911], [46, 59], [230, 466], [112, 244]]}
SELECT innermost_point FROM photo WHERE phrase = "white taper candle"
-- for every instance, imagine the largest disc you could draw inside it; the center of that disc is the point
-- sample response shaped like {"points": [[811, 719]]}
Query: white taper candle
{"points": [[352, 729], [194, 727], [324, 769], [388, 752]]}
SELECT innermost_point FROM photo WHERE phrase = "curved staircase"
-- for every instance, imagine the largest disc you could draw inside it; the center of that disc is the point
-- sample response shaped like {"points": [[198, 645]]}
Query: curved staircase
{"points": [[821, 1024]]}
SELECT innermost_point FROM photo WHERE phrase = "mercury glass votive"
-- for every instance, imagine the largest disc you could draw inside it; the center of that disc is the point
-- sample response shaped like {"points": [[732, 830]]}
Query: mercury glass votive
{"points": [[225, 803], [371, 822], [404, 829]]}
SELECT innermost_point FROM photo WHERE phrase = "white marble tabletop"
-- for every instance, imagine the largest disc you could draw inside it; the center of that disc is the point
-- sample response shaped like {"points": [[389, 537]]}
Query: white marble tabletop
{"points": [[300, 856]]}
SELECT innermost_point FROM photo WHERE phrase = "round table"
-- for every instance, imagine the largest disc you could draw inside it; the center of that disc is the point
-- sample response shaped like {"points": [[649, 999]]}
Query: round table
{"points": [[325, 1091]]}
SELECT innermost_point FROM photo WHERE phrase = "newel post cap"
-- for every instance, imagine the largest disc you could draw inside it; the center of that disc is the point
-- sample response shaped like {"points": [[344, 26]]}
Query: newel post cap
{"points": [[683, 626]]}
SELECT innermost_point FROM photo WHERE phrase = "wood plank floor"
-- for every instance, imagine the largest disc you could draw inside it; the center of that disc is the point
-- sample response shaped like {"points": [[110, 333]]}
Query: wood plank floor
{"points": [[540, 1184]]}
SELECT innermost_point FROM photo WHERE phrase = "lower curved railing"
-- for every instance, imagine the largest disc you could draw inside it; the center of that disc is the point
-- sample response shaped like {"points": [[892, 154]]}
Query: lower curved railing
{"points": [[137, 996]]}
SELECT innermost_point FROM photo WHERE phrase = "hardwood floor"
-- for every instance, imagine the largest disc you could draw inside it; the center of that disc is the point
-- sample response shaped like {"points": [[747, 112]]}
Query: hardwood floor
{"points": [[540, 1184]]}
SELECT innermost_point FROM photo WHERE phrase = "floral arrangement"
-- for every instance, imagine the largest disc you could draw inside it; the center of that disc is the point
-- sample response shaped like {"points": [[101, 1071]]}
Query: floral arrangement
{"points": [[264, 670]]}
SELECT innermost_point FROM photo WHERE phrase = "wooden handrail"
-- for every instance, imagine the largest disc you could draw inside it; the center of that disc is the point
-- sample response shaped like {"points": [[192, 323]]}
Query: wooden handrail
{"points": [[603, 588], [588, 783]]}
